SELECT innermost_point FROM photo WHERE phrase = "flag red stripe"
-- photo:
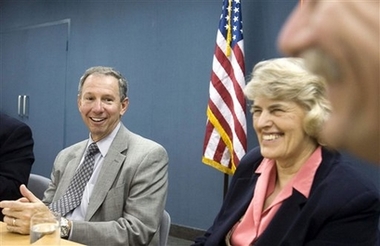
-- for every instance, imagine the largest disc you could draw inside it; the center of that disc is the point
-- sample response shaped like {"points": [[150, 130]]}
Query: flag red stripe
{"points": [[239, 57], [238, 129], [225, 94], [222, 90], [226, 64]]}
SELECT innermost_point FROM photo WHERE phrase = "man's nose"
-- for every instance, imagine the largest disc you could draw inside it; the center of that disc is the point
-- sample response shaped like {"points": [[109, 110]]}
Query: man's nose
{"points": [[295, 33], [98, 105]]}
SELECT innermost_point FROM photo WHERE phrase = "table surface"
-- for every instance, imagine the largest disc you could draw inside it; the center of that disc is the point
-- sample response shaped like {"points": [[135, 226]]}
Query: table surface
{"points": [[8, 238]]}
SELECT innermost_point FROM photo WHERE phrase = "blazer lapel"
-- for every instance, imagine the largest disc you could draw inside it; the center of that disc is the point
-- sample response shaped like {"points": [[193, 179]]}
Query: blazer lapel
{"points": [[282, 221], [290, 221], [235, 205]]}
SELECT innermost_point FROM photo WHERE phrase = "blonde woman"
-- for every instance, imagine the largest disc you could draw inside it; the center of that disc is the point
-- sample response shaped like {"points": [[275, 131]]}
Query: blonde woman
{"points": [[292, 190]]}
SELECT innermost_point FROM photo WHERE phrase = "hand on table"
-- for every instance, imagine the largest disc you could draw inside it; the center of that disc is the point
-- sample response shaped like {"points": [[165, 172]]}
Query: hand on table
{"points": [[17, 213]]}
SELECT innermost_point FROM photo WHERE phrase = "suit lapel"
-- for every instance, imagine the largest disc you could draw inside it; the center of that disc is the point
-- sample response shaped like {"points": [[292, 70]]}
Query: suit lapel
{"points": [[111, 166], [69, 171]]}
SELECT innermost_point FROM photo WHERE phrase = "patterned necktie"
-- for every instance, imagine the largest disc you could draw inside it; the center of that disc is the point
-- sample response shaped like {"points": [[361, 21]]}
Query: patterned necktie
{"points": [[74, 193]]}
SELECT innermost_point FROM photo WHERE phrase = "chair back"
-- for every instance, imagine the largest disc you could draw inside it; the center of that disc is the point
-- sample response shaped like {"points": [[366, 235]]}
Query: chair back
{"points": [[38, 184], [165, 228]]}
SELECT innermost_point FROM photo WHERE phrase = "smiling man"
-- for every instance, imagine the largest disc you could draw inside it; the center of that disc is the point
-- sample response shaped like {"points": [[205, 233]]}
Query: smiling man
{"points": [[340, 40], [122, 200]]}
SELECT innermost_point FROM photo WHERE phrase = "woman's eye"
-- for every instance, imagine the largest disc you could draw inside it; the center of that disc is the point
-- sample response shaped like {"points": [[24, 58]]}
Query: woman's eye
{"points": [[277, 110], [255, 111]]}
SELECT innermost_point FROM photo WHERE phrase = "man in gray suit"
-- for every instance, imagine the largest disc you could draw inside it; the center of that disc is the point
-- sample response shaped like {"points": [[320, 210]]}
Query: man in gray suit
{"points": [[124, 199]]}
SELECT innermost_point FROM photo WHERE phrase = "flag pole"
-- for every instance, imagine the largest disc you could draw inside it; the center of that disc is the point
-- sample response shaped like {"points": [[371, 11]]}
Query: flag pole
{"points": [[225, 185], [225, 141], [228, 53]]}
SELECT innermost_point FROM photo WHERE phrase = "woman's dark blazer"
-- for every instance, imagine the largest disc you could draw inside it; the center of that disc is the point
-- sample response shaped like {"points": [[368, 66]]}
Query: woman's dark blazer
{"points": [[342, 209]]}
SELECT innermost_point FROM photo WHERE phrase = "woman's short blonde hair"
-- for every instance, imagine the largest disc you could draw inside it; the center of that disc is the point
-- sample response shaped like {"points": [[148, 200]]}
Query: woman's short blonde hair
{"points": [[288, 79]]}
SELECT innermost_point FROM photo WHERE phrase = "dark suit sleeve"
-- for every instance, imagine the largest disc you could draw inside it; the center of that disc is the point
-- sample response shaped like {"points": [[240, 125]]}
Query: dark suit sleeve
{"points": [[16, 158]]}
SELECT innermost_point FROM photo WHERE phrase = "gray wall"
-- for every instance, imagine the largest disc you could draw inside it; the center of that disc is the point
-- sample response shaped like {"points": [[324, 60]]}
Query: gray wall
{"points": [[165, 49]]}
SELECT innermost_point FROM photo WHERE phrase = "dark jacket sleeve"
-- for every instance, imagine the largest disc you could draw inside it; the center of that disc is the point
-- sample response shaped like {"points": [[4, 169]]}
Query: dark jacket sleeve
{"points": [[16, 157]]}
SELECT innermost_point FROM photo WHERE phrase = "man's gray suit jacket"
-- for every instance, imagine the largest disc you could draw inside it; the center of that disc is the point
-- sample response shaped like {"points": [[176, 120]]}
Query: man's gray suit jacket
{"points": [[129, 197]]}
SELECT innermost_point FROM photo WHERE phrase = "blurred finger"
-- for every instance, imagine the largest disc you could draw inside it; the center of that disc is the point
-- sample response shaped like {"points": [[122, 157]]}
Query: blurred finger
{"points": [[23, 199], [28, 194]]}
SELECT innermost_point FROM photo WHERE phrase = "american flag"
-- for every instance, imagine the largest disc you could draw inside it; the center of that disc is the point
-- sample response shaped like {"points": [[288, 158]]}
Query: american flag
{"points": [[225, 140]]}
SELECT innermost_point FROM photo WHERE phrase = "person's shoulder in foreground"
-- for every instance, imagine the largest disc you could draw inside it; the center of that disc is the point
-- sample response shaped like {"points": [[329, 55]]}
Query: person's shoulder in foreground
{"points": [[16, 156], [16, 147]]}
